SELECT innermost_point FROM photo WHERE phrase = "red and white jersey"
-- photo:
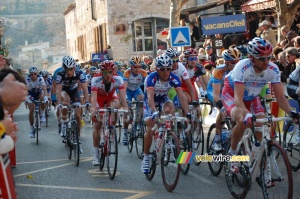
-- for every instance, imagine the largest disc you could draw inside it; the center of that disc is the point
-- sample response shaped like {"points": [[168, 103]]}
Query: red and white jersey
{"points": [[99, 85], [181, 72]]}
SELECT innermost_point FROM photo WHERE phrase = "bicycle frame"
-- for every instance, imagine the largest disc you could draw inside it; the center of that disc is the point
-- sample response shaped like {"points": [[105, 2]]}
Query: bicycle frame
{"points": [[254, 168]]}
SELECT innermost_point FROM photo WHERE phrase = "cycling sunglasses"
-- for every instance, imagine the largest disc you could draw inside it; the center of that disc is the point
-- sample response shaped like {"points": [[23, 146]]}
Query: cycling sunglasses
{"points": [[263, 58], [165, 69], [192, 58]]}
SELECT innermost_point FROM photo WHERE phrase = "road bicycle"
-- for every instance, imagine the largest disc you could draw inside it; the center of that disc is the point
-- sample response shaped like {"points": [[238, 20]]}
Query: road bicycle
{"points": [[108, 148], [137, 129], [166, 151], [291, 145], [69, 129], [216, 167], [37, 122], [268, 167], [119, 126]]}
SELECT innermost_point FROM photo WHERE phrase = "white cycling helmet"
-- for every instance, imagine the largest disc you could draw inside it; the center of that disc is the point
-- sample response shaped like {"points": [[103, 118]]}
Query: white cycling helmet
{"points": [[33, 69], [68, 62]]}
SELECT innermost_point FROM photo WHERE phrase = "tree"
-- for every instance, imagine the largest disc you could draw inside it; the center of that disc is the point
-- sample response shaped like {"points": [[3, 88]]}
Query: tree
{"points": [[175, 8], [286, 13]]}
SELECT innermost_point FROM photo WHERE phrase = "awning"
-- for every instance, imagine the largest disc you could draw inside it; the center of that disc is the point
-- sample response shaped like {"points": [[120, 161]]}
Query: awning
{"points": [[255, 5], [203, 7]]}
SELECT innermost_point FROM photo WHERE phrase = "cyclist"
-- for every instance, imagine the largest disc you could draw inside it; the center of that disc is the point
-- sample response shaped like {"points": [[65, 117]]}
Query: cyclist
{"points": [[67, 82], [215, 86], [104, 92], [293, 90], [36, 89], [48, 82], [133, 79], [157, 86], [195, 70], [80, 92], [179, 69], [240, 95]]}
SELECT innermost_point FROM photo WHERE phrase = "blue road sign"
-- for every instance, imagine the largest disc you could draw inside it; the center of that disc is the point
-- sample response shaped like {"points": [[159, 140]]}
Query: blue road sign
{"points": [[180, 36], [98, 57]]}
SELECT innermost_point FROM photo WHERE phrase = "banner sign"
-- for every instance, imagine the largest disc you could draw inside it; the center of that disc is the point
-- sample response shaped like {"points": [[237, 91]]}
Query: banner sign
{"points": [[99, 57], [224, 24]]}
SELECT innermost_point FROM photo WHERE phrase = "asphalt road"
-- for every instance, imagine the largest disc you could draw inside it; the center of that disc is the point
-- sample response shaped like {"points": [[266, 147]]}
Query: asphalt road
{"points": [[44, 171]]}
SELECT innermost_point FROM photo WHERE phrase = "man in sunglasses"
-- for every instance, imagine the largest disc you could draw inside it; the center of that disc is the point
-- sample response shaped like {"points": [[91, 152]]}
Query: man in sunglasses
{"points": [[67, 83], [241, 90], [157, 86], [104, 93], [179, 69], [133, 79], [36, 90], [215, 87], [195, 72]]}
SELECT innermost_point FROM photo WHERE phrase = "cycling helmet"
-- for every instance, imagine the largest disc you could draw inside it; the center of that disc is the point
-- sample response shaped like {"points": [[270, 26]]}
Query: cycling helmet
{"points": [[190, 52], [93, 69], [232, 54], [171, 52], [242, 49], [135, 60], [107, 65], [78, 66], [33, 69], [258, 47], [119, 64], [87, 67], [163, 61], [44, 73], [68, 62]]}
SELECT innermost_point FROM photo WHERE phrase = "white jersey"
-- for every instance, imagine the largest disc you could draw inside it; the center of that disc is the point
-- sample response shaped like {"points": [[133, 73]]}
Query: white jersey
{"points": [[134, 81], [36, 85], [181, 72], [244, 73], [99, 85]]}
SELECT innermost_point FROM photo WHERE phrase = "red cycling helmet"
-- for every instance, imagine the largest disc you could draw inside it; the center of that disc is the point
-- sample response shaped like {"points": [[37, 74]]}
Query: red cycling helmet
{"points": [[107, 65], [190, 52]]}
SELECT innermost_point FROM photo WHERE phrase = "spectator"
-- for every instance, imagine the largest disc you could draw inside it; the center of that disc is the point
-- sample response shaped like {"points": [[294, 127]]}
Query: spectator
{"points": [[296, 42], [289, 37], [281, 61], [201, 51], [207, 41], [268, 33], [275, 52], [291, 54], [201, 59], [195, 36], [210, 57]]}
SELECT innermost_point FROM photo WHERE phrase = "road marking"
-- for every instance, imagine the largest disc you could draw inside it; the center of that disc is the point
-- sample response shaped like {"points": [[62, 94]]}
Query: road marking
{"points": [[137, 193], [103, 173], [63, 165]]}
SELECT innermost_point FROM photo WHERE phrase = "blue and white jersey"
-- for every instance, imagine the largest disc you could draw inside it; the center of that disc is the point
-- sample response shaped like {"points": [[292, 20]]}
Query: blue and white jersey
{"points": [[70, 83], [243, 73], [56, 71], [49, 83], [35, 86], [88, 79], [161, 88]]}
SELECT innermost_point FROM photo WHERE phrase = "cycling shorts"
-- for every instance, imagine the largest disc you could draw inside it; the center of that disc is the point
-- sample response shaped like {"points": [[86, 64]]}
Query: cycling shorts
{"points": [[133, 94], [33, 95], [160, 103], [103, 99], [74, 95]]}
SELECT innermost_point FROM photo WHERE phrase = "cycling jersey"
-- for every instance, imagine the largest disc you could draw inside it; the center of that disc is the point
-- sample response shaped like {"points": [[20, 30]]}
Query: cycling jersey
{"points": [[243, 73], [56, 71], [88, 79], [35, 86], [217, 77], [181, 72], [99, 85], [70, 83], [49, 84], [193, 73], [294, 77], [134, 81]]}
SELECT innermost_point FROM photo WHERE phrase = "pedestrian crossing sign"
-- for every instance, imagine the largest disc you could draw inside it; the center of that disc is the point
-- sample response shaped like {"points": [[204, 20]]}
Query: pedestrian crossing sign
{"points": [[180, 36]]}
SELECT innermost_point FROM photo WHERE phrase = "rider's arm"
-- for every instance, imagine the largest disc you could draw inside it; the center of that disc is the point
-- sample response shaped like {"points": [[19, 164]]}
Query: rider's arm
{"points": [[94, 102], [85, 91], [238, 96], [122, 94], [125, 85], [217, 91], [204, 81], [281, 99], [150, 98], [182, 99]]}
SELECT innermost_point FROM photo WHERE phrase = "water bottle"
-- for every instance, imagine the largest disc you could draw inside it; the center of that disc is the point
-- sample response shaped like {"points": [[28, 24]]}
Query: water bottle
{"points": [[225, 135], [255, 150]]}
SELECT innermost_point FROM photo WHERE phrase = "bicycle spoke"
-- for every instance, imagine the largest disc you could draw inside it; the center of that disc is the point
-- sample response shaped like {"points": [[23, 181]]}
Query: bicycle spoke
{"points": [[112, 153]]}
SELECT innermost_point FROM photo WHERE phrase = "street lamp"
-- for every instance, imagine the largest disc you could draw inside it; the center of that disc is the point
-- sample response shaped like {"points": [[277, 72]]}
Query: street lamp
{"points": [[2, 30]]}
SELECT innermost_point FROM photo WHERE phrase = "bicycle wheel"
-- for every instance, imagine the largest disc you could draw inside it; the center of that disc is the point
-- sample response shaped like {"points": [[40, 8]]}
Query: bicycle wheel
{"points": [[214, 167], [291, 146], [185, 146], [130, 135], [75, 142], [101, 158], [139, 138], [237, 183], [37, 123], [281, 173], [170, 171], [198, 138], [68, 143], [112, 153], [152, 157], [47, 115], [119, 127]]}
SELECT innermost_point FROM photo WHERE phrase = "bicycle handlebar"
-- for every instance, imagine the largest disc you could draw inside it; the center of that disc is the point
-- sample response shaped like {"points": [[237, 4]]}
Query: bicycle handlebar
{"points": [[171, 117], [71, 106], [272, 119]]}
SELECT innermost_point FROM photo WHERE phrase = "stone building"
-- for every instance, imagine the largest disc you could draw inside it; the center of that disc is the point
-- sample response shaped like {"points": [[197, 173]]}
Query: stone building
{"points": [[129, 27]]}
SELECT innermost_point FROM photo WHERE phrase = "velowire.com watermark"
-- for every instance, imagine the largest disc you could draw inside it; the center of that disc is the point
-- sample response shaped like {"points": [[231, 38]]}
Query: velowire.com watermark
{"points": [[188, 157]]}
